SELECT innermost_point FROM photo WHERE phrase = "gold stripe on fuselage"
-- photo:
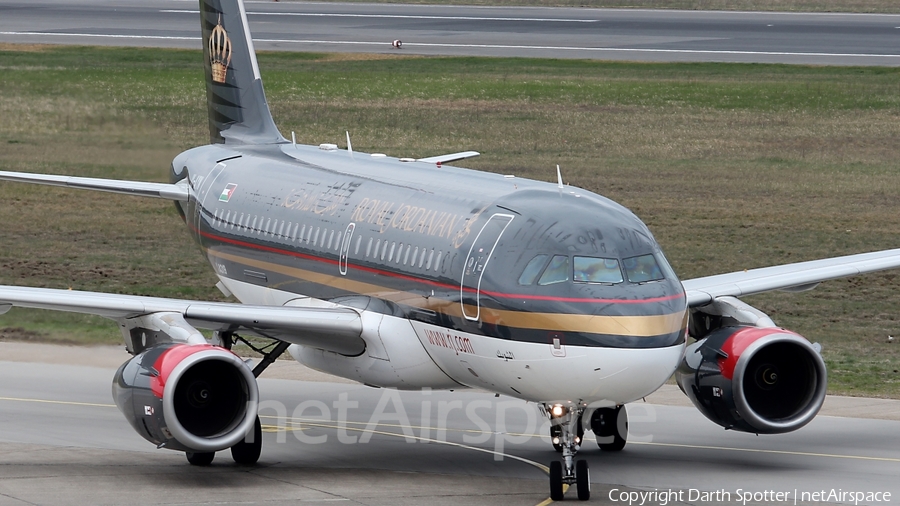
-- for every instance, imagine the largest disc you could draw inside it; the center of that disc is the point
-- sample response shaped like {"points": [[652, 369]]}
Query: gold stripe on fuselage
{"points": [[633, 326]]}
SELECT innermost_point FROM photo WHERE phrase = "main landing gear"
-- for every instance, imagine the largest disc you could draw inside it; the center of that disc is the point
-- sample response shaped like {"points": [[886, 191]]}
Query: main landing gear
{"points": [[248, 450], [245, 453], [610, 426]]}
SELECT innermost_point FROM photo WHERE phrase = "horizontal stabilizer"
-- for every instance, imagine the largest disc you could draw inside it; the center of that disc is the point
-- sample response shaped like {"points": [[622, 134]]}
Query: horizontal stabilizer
{"points": [[180, 191], [452, 157]]}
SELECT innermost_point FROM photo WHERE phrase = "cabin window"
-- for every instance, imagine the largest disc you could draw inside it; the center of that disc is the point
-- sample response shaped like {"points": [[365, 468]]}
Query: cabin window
{"points": [[430, 257], [369, 247], [642, 269], [294, 235], [330, 239], [415, 254], [253, 227], [281, 229], [316, 237], [241, 222], [308, 234], [448, 262], [302, 232], [393, 244], [556, 272], [406, 258], [437, 262], [268, 225], [358, 242], [337, 242], [597, 270], [532, 270], [384, 250]]}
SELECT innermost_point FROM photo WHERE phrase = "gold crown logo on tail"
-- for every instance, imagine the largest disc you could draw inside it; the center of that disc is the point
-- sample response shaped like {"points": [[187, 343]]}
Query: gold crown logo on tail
{"points": [[219, 52]]}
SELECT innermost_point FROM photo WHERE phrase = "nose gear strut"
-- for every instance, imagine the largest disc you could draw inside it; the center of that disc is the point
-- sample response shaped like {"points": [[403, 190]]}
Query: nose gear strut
{"points": [[566, 433]]}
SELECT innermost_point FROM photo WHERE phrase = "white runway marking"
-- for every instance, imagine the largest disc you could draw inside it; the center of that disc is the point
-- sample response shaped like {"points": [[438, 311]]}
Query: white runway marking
{"points": [[395, 16]]}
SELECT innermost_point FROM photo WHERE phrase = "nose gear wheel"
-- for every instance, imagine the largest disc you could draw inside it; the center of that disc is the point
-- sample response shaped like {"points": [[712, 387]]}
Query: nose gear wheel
{"points": [[566, 433]]}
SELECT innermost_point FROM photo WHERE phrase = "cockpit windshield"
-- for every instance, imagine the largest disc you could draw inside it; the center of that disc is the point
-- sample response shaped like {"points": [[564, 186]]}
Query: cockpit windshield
{"points": [[556, 272], [638, 269], [532, 270], [642, 269], [597, 270]]}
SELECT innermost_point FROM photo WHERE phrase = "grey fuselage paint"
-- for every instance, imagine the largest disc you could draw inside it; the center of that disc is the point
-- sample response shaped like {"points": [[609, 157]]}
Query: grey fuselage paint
{"points": [[275, 215]]}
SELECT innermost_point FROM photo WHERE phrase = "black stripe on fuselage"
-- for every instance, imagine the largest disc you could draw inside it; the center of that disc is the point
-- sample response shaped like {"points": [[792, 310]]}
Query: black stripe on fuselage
{"points": [[433, 300]]}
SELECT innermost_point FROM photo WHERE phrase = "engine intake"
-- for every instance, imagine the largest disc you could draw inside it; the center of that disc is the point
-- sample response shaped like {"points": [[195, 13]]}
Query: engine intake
{"points": [[759, 380], [196, 398]]}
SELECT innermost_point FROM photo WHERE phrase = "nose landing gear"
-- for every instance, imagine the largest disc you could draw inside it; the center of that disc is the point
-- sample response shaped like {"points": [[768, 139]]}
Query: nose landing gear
{"points": [[566, 432]]}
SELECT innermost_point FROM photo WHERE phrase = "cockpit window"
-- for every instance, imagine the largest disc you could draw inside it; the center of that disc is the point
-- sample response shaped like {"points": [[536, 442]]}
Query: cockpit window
{"points": [[556, 272], [642, 269], [597, 270], [532, 270]]}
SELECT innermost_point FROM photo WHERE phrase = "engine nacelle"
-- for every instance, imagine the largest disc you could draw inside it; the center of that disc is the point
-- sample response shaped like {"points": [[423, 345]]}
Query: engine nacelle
{"points": [[196, 398], [759, 380]]}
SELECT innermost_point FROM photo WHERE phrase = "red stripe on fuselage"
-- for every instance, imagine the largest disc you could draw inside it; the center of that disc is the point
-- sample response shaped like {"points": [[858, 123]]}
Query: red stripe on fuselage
{"points": [[397, 275]]}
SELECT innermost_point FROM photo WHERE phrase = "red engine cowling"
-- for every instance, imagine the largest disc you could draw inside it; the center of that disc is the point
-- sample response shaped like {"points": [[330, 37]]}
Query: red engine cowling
{"points": [[195, 398], [760, 380]]}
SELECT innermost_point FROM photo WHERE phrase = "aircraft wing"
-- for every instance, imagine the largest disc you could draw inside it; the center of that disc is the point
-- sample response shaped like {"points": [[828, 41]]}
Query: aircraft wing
{"points": [[332, 329], [789, 277], [180, 191]]}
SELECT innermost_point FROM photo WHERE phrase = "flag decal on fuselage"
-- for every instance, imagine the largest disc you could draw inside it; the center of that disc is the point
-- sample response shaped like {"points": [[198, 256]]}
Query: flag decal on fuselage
{"points": [[227, 192]]}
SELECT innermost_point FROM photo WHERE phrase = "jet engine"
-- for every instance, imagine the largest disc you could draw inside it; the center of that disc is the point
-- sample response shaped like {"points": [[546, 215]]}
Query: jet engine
{"points": [[759, 380], [194, 398]]}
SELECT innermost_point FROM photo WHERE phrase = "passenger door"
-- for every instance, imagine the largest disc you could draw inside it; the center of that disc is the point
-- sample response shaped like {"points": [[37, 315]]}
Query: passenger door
{"points": [[477, 261]]}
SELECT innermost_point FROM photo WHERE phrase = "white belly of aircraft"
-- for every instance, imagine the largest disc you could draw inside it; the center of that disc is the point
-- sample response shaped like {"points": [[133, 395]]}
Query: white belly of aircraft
{"points": [[544, 373], [407, 354]]}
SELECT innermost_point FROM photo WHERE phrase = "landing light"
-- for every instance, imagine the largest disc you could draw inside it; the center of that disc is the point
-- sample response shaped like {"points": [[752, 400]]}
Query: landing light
{"points": [[558, 410]]}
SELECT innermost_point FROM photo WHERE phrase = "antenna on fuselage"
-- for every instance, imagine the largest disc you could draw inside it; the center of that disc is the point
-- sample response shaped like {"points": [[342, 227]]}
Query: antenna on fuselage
{"points": [[559, 182], [294, 139], [349, 146]]}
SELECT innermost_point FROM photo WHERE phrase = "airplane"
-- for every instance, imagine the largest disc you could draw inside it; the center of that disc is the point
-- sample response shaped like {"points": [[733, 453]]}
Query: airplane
{"points": [[413, 274]]}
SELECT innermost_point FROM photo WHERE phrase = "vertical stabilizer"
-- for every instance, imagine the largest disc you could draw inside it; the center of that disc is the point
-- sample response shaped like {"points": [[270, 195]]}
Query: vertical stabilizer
{"points": [[238, 111]]}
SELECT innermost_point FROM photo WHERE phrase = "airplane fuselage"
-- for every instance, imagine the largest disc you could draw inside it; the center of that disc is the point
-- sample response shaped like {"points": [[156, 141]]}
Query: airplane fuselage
{"points": [[465, 277]]}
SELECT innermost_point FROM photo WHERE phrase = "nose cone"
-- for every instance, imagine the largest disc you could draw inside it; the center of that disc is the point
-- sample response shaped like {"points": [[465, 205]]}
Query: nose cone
{"points": [[586, 271]]}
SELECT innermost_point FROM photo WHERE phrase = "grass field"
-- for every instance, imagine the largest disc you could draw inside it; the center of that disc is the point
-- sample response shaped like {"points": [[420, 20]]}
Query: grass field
{"points": [[732, 166]]}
